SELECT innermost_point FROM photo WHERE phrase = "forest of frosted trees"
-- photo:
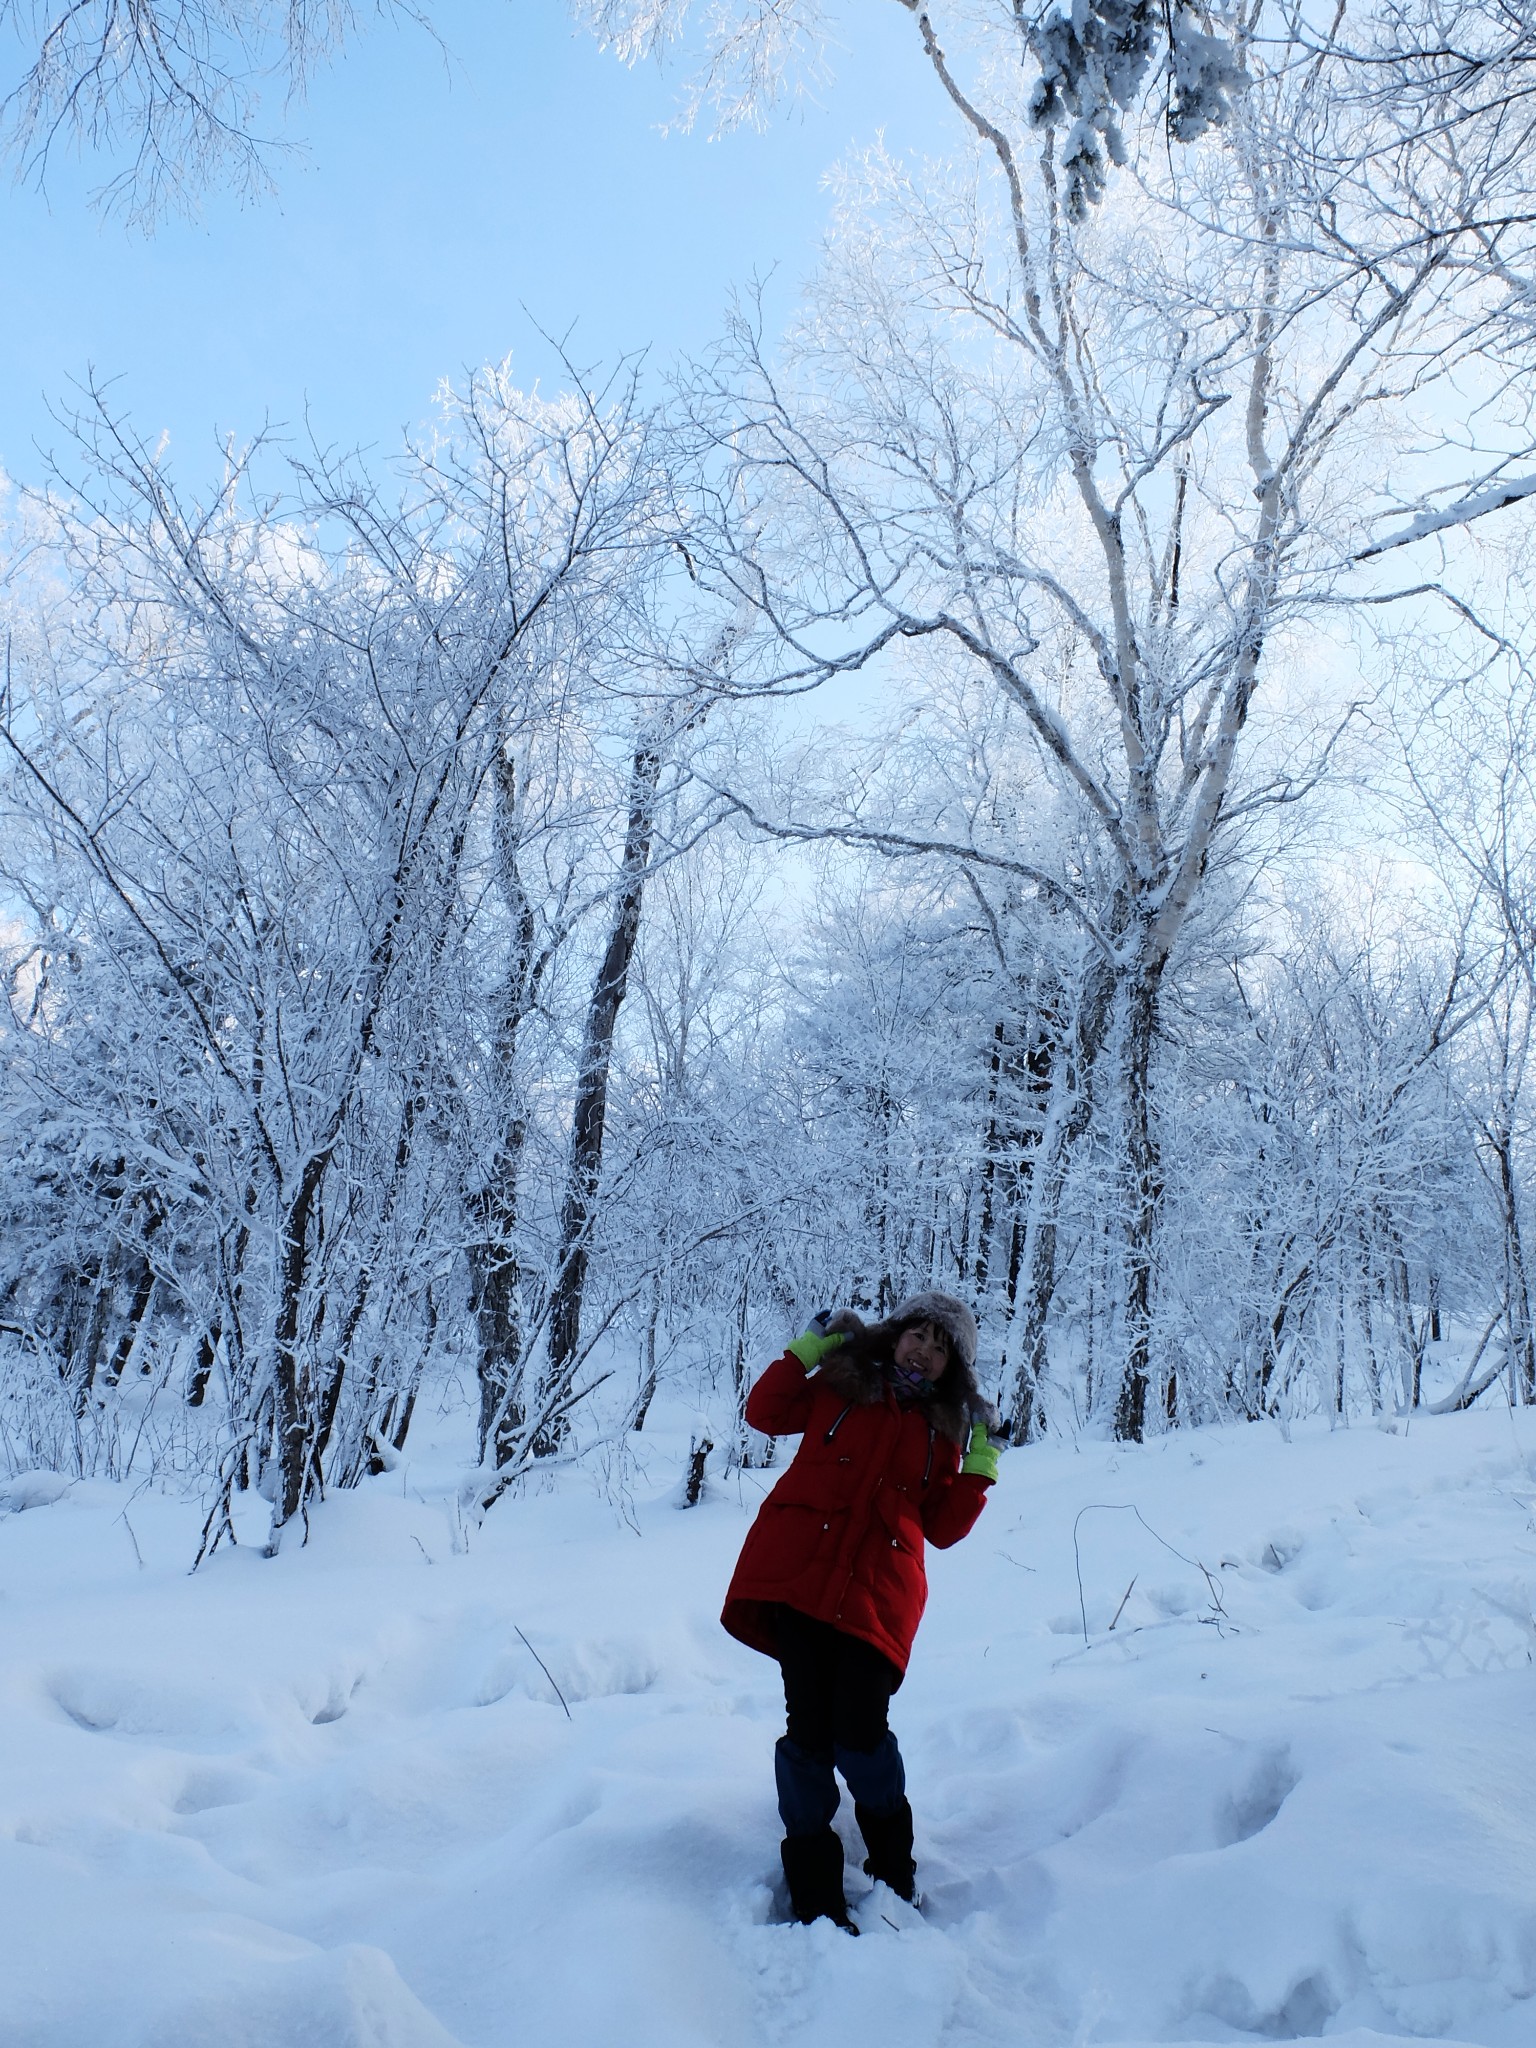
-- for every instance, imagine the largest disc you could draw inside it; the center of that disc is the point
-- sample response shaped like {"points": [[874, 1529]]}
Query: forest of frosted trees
{"points": [[1024, 783]]}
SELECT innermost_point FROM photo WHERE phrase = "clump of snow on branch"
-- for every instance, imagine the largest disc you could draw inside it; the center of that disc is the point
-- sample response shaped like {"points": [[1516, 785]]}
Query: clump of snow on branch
{"points": [[1094, 56], [1206, 74]]}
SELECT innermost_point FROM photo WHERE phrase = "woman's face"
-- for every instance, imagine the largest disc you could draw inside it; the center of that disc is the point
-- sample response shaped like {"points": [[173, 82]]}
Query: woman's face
{"points": [[922, 1348]]}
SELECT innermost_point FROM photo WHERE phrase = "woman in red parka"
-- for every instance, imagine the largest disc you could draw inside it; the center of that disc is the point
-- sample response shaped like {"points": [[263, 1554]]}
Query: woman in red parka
{"points": [[894, 1453]]}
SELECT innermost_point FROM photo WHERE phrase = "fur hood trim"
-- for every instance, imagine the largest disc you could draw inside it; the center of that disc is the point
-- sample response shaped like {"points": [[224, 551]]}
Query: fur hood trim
{"points": [[947, 1313], [859, 1369]]}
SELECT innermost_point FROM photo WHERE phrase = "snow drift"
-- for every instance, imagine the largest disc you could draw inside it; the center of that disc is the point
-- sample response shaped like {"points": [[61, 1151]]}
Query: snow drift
{"points": [[392, 1792]]}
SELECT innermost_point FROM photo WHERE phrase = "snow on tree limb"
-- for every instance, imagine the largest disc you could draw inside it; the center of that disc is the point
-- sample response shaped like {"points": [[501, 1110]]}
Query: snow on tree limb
{"points": [[1476, 505]]}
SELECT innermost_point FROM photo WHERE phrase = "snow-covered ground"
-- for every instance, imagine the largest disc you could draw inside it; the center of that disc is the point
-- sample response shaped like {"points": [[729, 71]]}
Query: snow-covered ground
{"points": [[332, 1800]]}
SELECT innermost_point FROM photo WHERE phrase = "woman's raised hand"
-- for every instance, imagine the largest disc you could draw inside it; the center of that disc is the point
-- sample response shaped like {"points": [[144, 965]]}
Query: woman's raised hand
{"points": [[813, 1344], [980, 1458]]}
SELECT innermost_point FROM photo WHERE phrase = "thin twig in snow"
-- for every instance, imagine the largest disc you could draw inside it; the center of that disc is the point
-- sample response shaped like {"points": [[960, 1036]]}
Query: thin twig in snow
{"points": [[533, 1653]]}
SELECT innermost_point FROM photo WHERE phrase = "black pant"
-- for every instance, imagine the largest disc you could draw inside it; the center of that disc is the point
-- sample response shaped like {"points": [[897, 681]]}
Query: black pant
{"points": [[837, 1688], [837, 1691]]}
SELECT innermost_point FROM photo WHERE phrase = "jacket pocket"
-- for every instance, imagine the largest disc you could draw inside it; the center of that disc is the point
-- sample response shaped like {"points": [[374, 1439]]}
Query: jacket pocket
{"points": [[796, 1537]]}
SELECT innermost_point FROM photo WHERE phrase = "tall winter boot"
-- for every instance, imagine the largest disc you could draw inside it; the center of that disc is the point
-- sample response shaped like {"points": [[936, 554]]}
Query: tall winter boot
{"points": [[888, 1838], [813, 1870]]}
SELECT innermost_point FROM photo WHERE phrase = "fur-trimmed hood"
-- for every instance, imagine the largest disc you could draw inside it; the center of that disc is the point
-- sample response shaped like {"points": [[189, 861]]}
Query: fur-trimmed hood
{"points": [[860, 1370]]}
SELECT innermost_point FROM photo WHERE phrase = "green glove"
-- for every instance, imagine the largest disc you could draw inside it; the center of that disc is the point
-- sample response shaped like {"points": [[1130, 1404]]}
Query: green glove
{"points": [[981, 1454], [813, 1345]]}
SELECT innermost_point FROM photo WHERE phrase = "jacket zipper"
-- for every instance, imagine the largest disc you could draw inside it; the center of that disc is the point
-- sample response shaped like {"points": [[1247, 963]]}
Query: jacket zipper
{"points": [[832, 1432]]}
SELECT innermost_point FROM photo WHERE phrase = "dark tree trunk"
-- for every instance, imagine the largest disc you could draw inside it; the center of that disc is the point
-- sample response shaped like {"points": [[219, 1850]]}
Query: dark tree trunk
{"points": [[1368, 1334], [1144, 1197], [202, 1371], [589, 1118], [693, 1485], [86, 1343], [1273, 1337], [362, 1289], [291, 1420], [498, 1301], [138, 1309], [1410, 1339]]}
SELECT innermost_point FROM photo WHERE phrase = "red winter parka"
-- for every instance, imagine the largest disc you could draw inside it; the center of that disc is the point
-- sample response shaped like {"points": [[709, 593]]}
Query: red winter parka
{"points": [[841, 1536]]}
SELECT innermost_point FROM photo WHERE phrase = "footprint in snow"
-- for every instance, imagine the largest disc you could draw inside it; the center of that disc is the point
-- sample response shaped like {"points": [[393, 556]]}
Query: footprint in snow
{"points": [[1251, 1806]]}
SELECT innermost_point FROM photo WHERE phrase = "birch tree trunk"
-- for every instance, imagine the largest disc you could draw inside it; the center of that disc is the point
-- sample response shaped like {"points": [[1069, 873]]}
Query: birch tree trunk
{"points": [[494, 1256]]}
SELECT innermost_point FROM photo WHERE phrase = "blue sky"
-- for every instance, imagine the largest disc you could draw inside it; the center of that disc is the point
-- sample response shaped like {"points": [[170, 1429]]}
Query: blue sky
{"points": [[436, 201]]}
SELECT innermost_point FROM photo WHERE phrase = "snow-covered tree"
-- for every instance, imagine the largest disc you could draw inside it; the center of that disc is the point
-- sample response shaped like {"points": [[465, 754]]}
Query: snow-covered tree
{"points": [[1120, 460], [247, 785]]}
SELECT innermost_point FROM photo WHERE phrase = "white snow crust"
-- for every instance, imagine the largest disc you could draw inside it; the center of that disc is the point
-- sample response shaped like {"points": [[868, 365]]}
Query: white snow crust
{"points": [[331, 1800]]}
